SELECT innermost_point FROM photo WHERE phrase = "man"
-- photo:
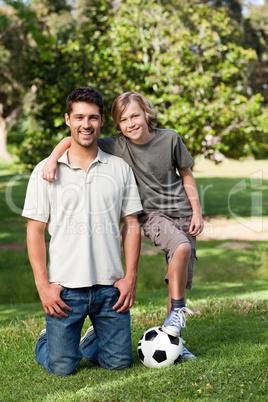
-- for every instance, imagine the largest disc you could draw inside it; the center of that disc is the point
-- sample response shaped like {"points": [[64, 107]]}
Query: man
{"points": [[84, 277], [172, 216]]}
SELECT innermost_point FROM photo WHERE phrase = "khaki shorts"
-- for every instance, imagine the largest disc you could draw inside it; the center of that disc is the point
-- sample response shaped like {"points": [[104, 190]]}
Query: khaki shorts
{"points": [[167, 234]]}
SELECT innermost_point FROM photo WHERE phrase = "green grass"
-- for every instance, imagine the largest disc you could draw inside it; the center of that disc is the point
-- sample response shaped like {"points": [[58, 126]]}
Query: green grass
{"points": [[228, 336], [214, 185], [214, 265], [12, 194], [228, 332], [216, 199]]}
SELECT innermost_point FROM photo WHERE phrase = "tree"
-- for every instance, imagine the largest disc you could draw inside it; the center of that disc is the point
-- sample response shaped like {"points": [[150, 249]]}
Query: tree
{"points": [[191, 63], [21, 47], [79, 56]]}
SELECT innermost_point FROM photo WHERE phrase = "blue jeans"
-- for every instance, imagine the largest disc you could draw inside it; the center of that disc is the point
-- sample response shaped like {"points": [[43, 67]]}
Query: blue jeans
{"points": [[110, 346]]}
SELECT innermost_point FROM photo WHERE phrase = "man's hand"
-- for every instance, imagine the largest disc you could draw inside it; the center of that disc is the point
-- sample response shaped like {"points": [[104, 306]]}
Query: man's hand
{"points": [[51, 300], [127, 296]]}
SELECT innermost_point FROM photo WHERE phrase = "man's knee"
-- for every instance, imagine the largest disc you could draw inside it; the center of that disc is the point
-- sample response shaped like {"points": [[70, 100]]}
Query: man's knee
{"points": [[63, 368], [117, 363], [59, 364]]}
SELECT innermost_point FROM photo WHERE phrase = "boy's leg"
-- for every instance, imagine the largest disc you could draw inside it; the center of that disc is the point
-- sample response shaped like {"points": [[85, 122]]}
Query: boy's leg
{"points": [[57, 349], [172, 236], [178, 274], [111, 328]]}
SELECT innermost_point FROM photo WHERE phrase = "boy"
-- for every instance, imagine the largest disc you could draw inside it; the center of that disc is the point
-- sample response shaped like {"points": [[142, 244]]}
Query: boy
{"points": [[171, 215]]}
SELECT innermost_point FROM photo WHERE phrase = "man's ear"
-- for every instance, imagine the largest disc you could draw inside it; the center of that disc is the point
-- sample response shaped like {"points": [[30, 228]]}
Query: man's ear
{"points": [[67, 119], [102, 120]]}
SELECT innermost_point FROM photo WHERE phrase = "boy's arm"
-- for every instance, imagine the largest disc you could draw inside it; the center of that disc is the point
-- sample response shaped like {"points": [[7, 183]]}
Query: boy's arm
{"points": [[189, 184], [49, 171], [131, 236], [49, 293]]}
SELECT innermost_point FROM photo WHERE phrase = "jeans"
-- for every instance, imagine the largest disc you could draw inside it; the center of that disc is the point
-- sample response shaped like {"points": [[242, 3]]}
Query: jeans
{"points": [[110, 346]]}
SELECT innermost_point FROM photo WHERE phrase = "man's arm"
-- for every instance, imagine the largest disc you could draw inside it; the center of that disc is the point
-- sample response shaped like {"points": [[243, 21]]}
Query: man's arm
{"points": [[49, 171], [189, 184], [131, 236], [49, 293]]}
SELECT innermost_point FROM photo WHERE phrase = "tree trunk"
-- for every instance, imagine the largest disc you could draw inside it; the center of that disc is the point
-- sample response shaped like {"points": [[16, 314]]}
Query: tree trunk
{"points": [[3, 136]]}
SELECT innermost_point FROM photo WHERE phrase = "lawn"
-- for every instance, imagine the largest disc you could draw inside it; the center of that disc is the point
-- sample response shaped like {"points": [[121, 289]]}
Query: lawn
{"points": [[228, 333], [224, 190]]}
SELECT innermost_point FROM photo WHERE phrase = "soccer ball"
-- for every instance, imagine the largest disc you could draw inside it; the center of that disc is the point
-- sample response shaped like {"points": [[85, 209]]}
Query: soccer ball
{"points": [[157, 349]]}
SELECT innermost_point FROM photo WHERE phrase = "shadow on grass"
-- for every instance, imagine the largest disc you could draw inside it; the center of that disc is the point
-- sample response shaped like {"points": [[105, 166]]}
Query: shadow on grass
{"points": [[12, 194], [9, 313], [230, 358], [214, 193], [215, 265], [150, 299], [256, 289]]}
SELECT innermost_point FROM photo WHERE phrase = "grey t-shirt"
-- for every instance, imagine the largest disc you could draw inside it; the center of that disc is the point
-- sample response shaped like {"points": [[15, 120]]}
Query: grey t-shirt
{"points": [[155, 167]]}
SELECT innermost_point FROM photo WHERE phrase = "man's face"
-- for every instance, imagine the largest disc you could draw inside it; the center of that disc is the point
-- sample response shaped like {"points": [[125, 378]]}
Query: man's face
{"points": [[85, 122]]}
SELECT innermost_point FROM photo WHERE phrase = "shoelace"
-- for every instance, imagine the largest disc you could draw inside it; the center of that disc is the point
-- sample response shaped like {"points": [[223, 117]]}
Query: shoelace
{"points": [[179, 316]]}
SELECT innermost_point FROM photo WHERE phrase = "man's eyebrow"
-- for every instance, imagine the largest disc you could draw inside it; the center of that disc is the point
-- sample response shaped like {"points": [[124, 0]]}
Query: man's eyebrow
{"points": [[82, 115]]}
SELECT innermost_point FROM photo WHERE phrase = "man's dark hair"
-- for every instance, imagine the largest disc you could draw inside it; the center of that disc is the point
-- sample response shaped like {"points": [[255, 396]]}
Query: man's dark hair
{"points": [[84, 94]]}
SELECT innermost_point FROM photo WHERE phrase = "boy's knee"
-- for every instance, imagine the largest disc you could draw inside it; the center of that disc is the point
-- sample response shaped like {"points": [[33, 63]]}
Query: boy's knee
{"points": [[184, 250]]}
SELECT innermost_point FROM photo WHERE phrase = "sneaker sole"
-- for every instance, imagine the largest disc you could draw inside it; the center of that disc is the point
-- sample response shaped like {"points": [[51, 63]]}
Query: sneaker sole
{"points": [[188, 358], [170, 332], [89, 332]]}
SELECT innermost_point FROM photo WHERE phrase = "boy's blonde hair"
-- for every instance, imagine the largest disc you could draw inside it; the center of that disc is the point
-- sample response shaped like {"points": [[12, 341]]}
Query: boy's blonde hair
{"points": [[121, 102]]}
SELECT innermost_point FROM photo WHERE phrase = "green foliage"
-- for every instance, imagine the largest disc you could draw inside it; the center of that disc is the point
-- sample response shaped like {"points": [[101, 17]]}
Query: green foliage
{"points": [[189, 61], [194, 69], [35, 146]]}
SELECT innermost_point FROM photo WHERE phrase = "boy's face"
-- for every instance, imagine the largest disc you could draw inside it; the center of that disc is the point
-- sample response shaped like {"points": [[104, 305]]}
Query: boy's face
{"points": [[133, 124], [85, 122]]}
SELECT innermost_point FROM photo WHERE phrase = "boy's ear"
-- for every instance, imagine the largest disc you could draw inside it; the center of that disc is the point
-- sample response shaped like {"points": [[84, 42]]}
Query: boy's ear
{"points": [[67, 119]]}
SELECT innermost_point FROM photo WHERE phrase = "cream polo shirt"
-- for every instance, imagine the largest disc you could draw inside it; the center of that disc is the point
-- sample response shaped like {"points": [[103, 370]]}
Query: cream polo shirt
{"points": [[82, 211]]}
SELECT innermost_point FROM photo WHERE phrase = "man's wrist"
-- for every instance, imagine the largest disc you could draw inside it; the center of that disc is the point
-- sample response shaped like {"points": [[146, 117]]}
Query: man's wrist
{"points": [[132, 277]]}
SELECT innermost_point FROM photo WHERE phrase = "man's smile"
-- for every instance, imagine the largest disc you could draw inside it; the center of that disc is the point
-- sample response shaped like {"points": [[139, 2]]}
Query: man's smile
{"points": [[87, 133]]}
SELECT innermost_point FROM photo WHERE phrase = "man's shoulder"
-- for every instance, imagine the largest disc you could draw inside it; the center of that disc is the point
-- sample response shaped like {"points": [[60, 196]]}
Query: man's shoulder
{"points": [[116, 160], [40, 165]]}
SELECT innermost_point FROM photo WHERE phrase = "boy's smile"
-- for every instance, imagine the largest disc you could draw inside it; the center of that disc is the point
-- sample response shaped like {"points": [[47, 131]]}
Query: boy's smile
{"points": [[133, 124]]}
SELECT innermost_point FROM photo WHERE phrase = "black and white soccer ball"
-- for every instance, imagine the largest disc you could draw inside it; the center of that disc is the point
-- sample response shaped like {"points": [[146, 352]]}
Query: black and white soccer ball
{"points": [[157, 349]]}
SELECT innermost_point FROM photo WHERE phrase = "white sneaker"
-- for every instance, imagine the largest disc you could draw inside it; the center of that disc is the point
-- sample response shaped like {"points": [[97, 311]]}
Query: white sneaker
{"points": [[176, 320], [89, 332], [186, 355]]}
